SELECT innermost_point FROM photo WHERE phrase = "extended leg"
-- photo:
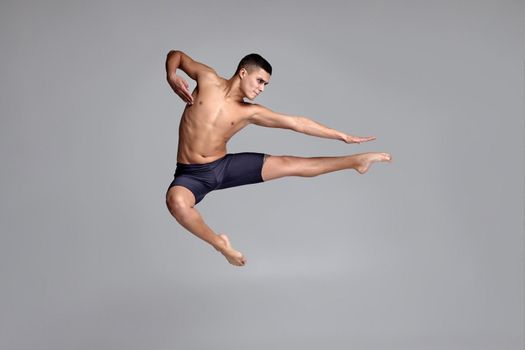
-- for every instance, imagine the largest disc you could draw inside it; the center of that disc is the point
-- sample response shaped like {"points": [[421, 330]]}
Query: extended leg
{"points": [[279, 166], [181, 202]]}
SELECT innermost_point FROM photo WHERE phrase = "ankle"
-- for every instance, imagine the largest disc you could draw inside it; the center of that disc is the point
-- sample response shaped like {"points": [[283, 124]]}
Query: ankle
{"points": [[219, 244]]}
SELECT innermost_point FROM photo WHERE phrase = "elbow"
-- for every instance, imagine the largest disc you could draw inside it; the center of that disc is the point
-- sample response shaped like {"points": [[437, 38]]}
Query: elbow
{"points": [[173, 55], [173, 52]]}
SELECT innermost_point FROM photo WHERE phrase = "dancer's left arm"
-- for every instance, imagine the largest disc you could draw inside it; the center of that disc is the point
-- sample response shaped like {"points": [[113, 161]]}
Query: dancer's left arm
{"points": [[265, 117]]}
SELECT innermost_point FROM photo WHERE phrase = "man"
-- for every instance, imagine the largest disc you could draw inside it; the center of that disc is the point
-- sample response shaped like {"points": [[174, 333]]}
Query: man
{"points": [[215, 111]]}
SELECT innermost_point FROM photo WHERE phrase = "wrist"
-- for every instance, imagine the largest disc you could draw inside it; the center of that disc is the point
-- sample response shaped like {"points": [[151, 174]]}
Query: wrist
{"points": [[341, 136]]}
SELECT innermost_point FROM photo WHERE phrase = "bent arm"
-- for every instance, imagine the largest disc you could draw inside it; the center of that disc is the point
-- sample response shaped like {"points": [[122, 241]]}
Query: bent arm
{"points": [[265, 117], [177, 59]]}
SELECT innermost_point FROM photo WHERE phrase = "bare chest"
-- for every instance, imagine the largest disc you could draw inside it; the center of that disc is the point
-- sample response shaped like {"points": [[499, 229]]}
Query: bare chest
{"points": [[216, 114]]}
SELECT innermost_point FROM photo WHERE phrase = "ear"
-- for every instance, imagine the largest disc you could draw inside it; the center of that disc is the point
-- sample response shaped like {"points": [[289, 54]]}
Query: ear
{"points": [[243, 72]]}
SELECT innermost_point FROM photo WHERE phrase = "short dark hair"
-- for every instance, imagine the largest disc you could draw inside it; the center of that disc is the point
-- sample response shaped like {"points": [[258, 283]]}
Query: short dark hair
{"points": [[252, 60]]}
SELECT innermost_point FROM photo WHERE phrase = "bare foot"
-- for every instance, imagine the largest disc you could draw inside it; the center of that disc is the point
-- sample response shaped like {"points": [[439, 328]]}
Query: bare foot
{"points": [[364, 160], [234, 257]]}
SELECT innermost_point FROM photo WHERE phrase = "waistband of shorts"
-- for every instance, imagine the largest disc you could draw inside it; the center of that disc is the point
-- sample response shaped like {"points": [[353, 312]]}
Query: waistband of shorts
{"points": [[202, 166]]}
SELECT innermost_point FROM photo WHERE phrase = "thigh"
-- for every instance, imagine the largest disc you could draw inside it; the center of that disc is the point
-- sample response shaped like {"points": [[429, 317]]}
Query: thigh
{"points": [[241, 169], [199, 186], [280, 166]]}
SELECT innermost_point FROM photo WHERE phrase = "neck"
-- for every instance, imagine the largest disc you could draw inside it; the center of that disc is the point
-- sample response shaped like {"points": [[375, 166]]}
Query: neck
{"points": [[233, 89]]}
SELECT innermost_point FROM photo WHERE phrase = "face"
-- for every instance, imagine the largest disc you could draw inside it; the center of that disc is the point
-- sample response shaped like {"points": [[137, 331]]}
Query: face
{"points": [[253, 83]]}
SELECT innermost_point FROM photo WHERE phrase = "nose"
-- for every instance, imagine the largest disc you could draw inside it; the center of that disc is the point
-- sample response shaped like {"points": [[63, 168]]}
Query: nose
{"points": [[261, 88]]}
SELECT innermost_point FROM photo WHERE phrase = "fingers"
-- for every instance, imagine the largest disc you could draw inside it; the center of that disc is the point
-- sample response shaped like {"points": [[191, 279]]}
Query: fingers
{"points": [[362, 139], [185, 94], [188, 96], [181, 88]]}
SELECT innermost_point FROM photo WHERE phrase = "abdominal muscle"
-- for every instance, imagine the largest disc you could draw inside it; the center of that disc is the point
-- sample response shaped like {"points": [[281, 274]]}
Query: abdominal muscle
{"points": [[199, 151], [203, 139]]}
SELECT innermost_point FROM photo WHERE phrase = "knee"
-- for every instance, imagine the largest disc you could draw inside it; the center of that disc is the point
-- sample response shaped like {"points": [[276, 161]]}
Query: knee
{"points": [[177, 205], [295, 166]]}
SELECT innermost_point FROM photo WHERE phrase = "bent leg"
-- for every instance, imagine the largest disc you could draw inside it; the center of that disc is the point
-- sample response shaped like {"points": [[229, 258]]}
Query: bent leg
{"points": [[280, 166], [181, 202]]}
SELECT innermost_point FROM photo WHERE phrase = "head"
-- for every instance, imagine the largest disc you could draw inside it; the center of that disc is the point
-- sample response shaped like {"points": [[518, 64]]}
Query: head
{"points": [[254, 72]]}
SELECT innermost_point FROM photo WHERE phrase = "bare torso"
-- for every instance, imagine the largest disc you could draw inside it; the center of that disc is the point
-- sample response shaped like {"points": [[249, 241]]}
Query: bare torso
{"points": [[207, 125]]}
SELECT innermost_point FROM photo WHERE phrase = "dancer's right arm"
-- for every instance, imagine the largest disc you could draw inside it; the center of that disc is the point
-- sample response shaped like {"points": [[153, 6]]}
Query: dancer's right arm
{"points": [[197, 71]]}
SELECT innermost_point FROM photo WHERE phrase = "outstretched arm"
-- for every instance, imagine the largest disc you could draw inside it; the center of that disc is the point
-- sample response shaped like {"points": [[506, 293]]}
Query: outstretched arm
{"points": [[197, 71], [265, 117]]}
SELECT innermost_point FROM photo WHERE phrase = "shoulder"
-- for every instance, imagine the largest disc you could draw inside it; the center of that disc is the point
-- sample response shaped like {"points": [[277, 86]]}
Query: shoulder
{"points": [[253, 110], [208, 75], [256, 109]]}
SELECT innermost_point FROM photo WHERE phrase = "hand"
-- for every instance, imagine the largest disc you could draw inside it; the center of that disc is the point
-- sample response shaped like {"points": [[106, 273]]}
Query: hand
{"points": [[180, 86], [357, 139]]}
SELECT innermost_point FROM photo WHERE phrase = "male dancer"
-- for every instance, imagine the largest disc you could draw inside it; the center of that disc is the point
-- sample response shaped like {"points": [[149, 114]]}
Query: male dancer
{"points": [[215, 111]]}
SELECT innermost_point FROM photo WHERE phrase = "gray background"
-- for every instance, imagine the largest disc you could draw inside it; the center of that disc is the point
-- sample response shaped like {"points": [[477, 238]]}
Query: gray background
{"points": [[423, 253]]}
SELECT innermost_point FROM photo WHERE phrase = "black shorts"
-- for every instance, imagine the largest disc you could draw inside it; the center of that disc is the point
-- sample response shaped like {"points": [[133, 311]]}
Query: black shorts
{"points": [[234, 169]]}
